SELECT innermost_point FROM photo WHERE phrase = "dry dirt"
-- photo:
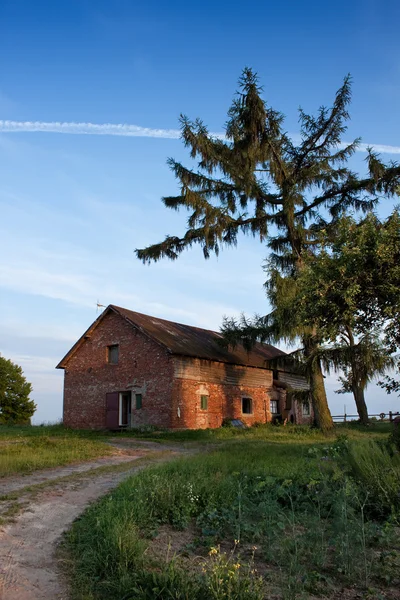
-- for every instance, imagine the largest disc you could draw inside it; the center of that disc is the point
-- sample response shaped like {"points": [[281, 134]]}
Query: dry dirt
{"points": [[29, 568]]}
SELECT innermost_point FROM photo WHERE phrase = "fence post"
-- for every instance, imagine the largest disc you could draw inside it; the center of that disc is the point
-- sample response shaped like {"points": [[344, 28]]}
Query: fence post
{"points": [[345, 418], [390, 416]]}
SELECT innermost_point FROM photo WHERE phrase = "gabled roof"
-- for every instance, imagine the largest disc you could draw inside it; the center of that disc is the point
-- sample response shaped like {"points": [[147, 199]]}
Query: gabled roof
{"points": [[184, 340]]}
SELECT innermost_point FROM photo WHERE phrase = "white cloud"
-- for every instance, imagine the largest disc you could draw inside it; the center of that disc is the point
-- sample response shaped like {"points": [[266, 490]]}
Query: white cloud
{"points": [[128, 130], [380, 148], [121, 129]]}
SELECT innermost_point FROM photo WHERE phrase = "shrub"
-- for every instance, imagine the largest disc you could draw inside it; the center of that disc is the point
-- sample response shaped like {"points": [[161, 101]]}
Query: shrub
{"points": [[377, 470]]}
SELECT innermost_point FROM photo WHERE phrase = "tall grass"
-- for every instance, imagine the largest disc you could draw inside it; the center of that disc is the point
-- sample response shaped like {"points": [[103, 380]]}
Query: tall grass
{"points": [[377, 470], [15, 432], [22, 455], [289, 434], [286, 511]]}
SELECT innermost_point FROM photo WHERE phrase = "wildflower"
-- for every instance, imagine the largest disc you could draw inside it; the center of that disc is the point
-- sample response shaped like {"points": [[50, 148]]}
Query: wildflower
{"points": [[237, 542], [213, 551], [236, 566]]}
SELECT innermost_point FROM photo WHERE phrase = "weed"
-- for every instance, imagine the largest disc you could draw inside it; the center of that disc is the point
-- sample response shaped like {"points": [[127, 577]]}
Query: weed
{"points": [[301, 504]]}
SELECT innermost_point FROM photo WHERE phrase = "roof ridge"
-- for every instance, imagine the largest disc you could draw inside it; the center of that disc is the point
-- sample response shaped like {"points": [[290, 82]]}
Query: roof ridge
{"points": [[186, 340], [115, 307]]}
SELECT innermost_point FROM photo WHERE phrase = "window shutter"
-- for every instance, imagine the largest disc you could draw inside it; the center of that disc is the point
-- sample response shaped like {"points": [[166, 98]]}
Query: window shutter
{"points": [[138, 401]]}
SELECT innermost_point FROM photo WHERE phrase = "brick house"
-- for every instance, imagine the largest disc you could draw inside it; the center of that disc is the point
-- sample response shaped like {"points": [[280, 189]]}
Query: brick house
{"points": [[130, 370]]}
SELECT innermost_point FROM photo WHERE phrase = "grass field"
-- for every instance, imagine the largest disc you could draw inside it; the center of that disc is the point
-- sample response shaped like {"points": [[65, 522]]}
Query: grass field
{"points": [[273, 433], [277, 513], [26, 449]]}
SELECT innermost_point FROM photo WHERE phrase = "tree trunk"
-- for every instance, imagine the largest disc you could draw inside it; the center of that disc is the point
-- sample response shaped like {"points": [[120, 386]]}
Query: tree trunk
{"points": [[358, 392], [322, 414]]}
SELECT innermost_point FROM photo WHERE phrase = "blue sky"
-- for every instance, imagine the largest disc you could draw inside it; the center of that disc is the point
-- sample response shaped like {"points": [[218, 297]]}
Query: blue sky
{"points": [[74, 207]]}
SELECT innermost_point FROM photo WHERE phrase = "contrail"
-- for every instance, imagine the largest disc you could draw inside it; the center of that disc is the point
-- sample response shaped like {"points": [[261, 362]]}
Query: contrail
{"points": [[87, 129], [127, 130]]}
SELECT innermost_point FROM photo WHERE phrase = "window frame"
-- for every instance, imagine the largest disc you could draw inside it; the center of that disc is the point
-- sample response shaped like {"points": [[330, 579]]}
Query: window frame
{"points": [[307, 411], [276, 403], [110, 348], [138, 400], [251, 411], [204, 400]]}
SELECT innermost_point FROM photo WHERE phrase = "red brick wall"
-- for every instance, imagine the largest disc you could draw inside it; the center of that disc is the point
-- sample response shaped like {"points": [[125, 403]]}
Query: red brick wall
{"points": [[298, 413], [168, 401], [224, 401], [143, 366]]}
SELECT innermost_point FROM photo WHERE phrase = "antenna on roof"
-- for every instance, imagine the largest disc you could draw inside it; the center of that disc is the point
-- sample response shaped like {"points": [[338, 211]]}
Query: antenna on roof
{"points": [[99, 306]]}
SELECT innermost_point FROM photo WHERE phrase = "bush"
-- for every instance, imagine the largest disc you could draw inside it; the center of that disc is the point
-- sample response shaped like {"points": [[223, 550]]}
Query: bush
{"points": [[16, 408], [395, 437], [377, 469]]}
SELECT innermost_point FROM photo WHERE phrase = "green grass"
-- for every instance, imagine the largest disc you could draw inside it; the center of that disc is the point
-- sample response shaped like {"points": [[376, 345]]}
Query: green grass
{"points": [[290, 434], [15, 432], [293, 512], [24, 454], [24, 449]]}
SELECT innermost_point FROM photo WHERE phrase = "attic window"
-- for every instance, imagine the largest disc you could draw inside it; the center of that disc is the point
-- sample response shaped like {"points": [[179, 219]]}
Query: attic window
{"points": [[113, 354], [247, 406]]}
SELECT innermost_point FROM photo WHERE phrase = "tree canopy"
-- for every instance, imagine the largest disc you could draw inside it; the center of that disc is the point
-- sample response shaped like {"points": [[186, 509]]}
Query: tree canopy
{"points": [[258, 181], [15, 405]]}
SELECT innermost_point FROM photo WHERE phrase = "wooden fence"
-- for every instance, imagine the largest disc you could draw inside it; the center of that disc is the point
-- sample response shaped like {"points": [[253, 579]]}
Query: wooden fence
{"points": [[381, 416]]}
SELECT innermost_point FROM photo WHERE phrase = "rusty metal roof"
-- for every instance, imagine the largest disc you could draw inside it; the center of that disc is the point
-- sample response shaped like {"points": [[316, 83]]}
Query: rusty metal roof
{"points": [[184, 340], [196, 342]]}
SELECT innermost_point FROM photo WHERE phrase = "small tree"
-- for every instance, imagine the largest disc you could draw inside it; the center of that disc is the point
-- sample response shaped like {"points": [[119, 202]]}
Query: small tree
{"points": [[360, 362], [15, 404], [350, 289]]}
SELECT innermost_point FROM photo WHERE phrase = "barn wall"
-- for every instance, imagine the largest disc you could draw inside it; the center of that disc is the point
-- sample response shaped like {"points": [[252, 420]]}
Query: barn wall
{"points": [[297, 382], [143, 367], [171, 386], [225, 385]]}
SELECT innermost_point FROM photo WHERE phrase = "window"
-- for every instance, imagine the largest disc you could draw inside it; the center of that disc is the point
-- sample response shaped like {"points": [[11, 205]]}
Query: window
{"points": [[138, 401], [273, 406], [113, 354], [247, 406], [204, 402], [306, 409]]}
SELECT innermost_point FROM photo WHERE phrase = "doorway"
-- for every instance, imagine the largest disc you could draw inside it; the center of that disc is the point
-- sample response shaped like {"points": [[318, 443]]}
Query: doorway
{"points": [[125, 409]]}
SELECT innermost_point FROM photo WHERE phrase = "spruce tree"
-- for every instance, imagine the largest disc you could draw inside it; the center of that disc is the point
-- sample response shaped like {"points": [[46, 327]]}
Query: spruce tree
{"points": [[256, 178]]}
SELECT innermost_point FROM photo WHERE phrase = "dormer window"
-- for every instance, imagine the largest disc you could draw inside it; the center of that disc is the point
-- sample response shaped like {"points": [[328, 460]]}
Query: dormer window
{"points": [[113, 354]]}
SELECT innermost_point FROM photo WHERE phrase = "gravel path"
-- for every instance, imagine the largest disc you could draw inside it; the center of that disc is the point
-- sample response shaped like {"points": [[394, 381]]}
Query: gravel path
{"points": [[28, 565]]}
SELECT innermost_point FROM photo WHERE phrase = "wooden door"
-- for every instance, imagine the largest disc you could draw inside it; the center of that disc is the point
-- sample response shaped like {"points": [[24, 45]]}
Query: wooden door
{"points": [[112, 410]]}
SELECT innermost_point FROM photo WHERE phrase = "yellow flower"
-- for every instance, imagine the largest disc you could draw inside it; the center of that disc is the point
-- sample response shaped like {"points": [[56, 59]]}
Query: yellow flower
{"points": [[236, 566], [213, 551]]}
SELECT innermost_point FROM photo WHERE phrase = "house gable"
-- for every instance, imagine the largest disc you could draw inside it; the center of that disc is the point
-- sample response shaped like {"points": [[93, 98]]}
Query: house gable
{"points": [[144, 367]]}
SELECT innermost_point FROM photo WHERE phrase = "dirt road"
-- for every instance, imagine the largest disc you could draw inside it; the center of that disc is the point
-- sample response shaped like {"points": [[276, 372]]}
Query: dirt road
{"points": [[28, 565]]}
